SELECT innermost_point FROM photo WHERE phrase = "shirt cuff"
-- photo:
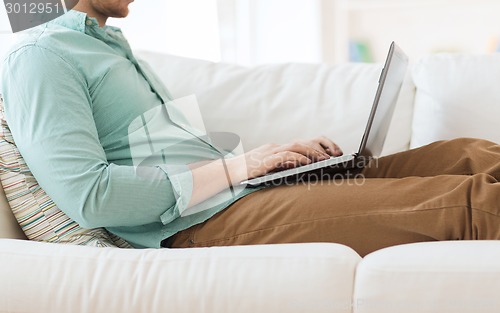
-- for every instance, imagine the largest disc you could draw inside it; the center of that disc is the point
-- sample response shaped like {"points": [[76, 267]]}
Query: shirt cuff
{"points": [[181, 178]]}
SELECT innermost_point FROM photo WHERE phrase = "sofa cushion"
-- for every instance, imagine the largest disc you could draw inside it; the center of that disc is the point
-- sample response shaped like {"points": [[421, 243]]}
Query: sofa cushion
{"points": [[457, 96], [282, 102], [431, 277], [288, 278], [36, 213]]}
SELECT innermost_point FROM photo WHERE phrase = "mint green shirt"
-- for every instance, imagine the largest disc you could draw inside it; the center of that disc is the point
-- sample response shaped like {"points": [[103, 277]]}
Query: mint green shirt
{"points": [[98, 131]]}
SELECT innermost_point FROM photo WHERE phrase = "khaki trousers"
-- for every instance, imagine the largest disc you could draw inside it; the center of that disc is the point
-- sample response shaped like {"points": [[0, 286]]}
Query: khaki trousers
{"points": [[447, 190]]}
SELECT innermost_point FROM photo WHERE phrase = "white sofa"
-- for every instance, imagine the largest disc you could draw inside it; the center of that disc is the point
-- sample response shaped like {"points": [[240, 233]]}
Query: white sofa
{"points": [[444, 96]]}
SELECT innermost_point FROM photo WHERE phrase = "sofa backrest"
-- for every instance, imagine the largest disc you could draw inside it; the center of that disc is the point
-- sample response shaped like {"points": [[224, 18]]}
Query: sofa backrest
{"points": [[282, 102], [457, 95]]}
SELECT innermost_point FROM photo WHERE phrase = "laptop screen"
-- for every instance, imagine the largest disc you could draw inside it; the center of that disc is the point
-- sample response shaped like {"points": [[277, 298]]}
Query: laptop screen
{"points": [[391, 80]]}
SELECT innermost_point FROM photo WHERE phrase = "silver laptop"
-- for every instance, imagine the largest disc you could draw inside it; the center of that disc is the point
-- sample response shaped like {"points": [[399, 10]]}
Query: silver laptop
{"points": [[389, 87]]}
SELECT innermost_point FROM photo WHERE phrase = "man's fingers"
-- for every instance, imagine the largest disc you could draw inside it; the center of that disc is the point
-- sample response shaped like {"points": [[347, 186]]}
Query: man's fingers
{"points": [[306, 150], [330, 147], [285, 166], [287, 159], [272, 157]]}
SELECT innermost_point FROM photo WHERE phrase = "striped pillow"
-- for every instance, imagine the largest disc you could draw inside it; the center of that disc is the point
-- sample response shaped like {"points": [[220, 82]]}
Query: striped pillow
{"points": [[38, 215]]}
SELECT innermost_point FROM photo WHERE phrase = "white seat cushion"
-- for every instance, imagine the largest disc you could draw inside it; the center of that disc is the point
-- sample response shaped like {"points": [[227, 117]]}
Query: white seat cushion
{"points": [[438, 277], [316, 277]]}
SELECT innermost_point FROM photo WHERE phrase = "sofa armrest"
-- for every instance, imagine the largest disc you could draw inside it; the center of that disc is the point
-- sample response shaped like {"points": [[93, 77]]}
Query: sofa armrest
{"points": [[41, 277], [9, 228], [437, 277]]}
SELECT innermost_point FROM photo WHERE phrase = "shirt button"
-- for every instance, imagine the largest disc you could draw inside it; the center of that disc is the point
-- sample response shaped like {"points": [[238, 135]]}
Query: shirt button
{"points": [[88, 22]]}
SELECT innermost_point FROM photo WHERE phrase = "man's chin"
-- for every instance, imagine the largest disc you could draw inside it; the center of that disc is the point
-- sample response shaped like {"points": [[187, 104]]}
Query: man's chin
{"points": [[121, 14]]}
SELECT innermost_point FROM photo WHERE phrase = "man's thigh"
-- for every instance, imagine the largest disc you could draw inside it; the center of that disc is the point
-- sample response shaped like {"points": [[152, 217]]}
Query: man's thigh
{"points": [[462, 156], [366, 214]]}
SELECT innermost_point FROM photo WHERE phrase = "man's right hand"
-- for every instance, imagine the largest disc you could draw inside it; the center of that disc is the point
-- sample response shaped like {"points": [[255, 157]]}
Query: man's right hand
{"points": [[272, 157]]}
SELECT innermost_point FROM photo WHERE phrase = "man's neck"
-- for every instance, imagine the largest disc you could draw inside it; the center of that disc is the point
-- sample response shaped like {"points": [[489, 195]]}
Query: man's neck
{"points": [[84, 7]]}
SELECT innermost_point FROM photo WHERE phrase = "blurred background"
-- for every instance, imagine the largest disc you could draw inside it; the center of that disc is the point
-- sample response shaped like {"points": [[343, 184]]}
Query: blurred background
{"points": [[251, 32]]}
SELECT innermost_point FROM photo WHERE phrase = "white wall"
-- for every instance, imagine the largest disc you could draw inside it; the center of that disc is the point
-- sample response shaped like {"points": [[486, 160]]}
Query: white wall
{"points": [[183, 27], [251, 32], [421, 27], [270, 31], [264, 31]]}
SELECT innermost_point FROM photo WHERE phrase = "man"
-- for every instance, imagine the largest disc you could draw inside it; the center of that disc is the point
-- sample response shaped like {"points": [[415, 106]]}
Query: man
{"points": [[74, 94]]}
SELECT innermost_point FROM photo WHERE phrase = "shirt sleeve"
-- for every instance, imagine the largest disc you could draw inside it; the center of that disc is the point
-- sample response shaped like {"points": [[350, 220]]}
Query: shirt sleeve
{"points": [[49, 111]]}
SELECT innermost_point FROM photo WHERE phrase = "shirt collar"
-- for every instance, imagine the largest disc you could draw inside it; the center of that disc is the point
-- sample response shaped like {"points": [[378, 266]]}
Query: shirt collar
{"points": [[79, 21]]}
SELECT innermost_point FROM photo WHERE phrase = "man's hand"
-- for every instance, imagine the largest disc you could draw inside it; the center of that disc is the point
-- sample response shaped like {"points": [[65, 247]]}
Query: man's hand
{"points": [[273, 157], [211, 177]]}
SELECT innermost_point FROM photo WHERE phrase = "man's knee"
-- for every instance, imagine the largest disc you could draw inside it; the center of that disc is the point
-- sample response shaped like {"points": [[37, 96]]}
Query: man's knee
{"points": [[468, 141]]}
